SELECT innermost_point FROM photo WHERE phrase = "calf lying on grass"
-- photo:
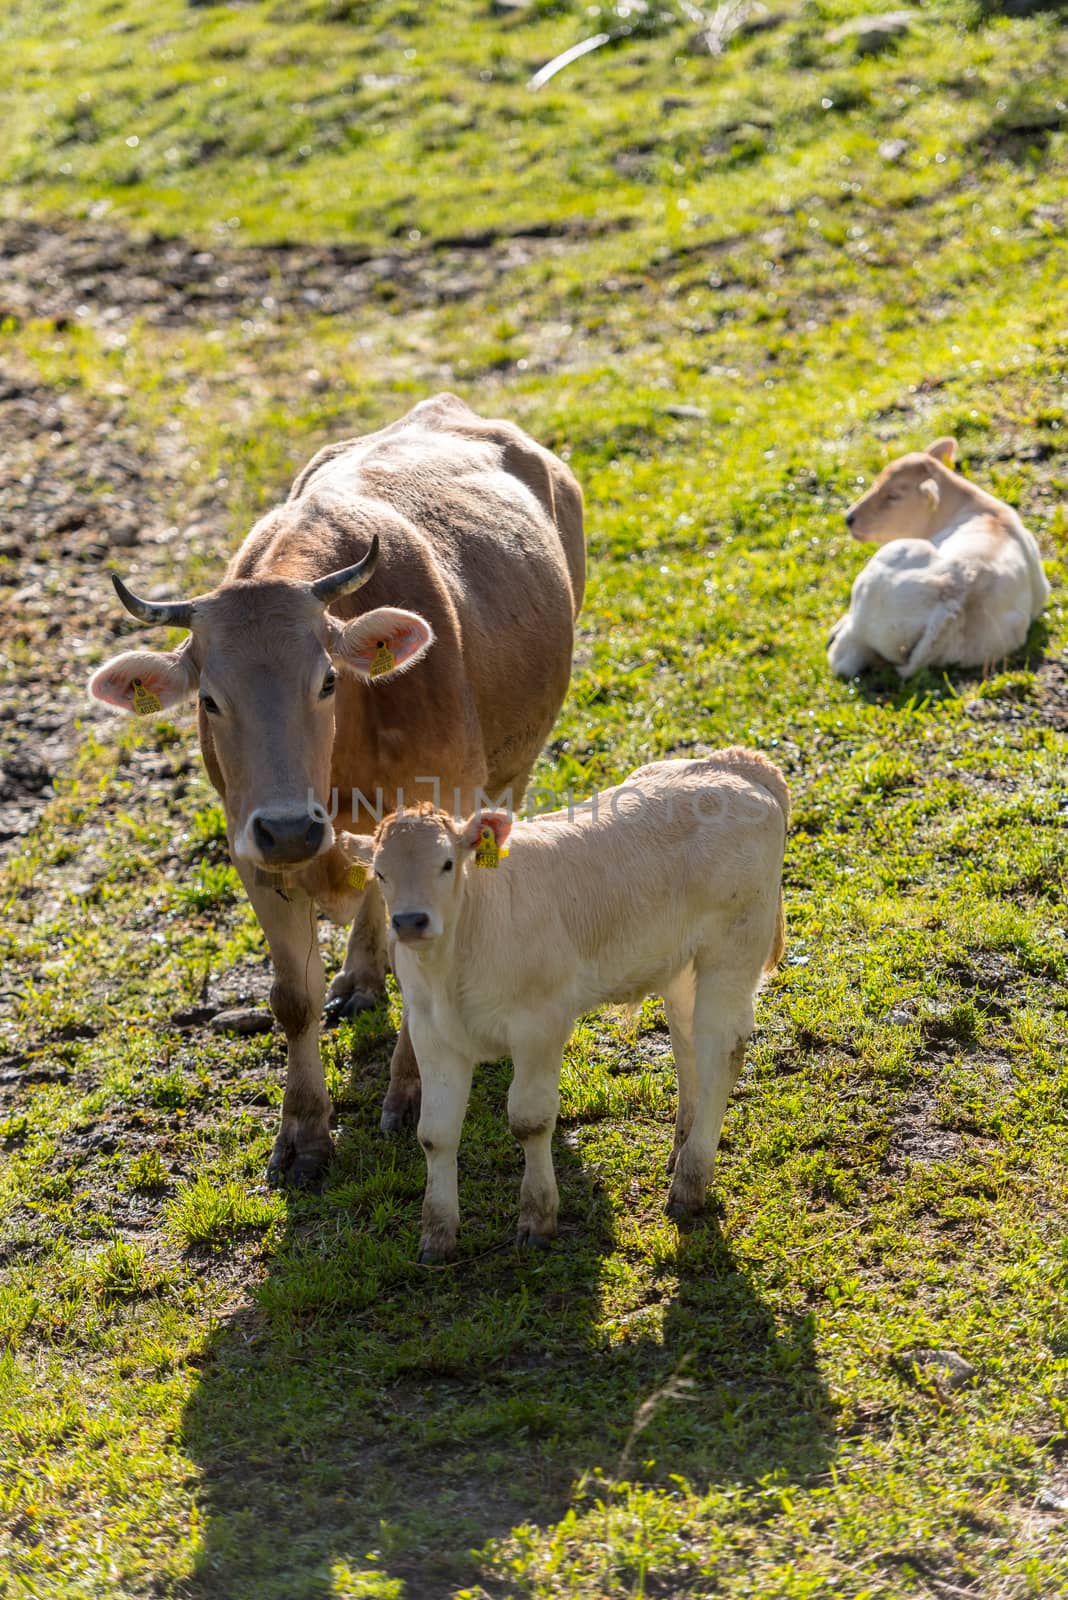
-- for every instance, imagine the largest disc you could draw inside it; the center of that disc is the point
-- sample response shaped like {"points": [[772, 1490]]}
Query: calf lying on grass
{"points": [[669, 884], [958, 580]]}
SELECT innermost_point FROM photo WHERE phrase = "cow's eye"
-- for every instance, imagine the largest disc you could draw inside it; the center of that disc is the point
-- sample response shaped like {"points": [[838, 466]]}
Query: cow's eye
{"points": [[329, 684], [210, 705], [447, 867]]}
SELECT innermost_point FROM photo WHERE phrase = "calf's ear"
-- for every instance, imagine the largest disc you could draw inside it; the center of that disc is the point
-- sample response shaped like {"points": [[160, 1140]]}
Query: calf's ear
{"points": [[381, 643], [929, 490], [943, 450], [498, 822], [145, 681]]}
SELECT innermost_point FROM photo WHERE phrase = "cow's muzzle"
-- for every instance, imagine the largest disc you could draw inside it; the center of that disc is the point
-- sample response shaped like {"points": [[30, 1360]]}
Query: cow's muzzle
{"points": [[288, 838]]}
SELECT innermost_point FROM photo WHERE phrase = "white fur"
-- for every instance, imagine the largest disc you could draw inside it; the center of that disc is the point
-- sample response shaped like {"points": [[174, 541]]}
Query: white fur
{"points": [[671, 886], [964, 593]]}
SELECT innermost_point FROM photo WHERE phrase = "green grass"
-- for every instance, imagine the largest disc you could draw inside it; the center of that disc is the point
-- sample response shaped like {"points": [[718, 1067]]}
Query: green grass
{"points": [[211, 1393]]}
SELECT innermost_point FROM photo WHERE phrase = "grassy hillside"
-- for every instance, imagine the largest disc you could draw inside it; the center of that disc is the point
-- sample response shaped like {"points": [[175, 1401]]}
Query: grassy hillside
{"points": [[727, 288]]}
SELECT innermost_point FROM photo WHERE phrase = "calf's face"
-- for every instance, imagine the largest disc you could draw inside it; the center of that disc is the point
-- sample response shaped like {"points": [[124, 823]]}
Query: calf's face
{"points": [[904, 501], [420, 859], [263, 658]]}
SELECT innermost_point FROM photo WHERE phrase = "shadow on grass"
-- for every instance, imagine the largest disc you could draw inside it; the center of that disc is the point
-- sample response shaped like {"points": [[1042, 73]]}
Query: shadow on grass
{"points": [[368, 1416], [882, 685]]}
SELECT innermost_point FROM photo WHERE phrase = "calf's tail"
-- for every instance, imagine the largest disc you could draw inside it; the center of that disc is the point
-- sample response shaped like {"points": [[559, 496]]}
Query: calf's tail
{"points": [[778, 942]]}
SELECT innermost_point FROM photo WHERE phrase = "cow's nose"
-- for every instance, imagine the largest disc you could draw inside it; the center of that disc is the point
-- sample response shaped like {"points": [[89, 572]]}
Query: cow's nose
{"points": [[849, 516], [287, 837], [410, 925]]}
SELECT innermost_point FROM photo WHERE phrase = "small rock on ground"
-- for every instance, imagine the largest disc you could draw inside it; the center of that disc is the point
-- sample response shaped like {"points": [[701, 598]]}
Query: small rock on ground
{"points": [[945, 1368], [243, 1019], [874, 33]]}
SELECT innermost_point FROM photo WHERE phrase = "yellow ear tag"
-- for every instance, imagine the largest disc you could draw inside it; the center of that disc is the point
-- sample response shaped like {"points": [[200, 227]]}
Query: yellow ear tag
{"points": [[489, 852], [144, 701], [383, 660], [356, 876]]}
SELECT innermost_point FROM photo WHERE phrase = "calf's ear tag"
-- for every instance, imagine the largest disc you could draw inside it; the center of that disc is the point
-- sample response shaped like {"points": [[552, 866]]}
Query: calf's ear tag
{"points": [[489, 852], [356, 876], [144, 701], [383, 660]]}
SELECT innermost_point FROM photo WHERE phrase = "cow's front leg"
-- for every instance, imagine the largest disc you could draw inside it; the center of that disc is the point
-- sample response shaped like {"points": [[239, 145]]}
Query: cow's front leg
{"points": [[303, 1148], [361, 983], [446, 1077], [402, 1101]]}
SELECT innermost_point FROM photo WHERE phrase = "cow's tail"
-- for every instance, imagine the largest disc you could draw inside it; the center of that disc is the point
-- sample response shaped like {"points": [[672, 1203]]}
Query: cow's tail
{"points": [[758, 769]]}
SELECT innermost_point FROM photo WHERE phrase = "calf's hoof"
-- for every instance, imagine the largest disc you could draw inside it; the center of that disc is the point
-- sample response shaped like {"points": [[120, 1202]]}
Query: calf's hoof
{"points": [[290, 1168], [528, 1238], [433, 1254], [685, 1211], [343, 1007]]}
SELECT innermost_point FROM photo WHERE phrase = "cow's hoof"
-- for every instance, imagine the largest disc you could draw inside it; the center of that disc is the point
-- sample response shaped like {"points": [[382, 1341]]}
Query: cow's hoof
{"points": [[343, 1007], [435, 1255], [305, 1169], [684, 1210], [527, 1239], [399, 1111]]}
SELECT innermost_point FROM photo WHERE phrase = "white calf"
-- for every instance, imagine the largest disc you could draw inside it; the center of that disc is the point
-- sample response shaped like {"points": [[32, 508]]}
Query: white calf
{"points": [[958, 579], [669, 884]]}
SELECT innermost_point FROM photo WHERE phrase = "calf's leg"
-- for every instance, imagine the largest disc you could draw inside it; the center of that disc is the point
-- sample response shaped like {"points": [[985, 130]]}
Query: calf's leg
{"points": [[679, 999], [446, 1077], [361, 983], [303, 1148], [926, 649], [847, 652], [533, 1104], [723, 1021]]}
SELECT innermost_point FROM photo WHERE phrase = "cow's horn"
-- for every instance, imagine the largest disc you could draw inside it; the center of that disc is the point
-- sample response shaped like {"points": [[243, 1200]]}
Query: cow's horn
{"points": [[335, 584], [179, 613]]}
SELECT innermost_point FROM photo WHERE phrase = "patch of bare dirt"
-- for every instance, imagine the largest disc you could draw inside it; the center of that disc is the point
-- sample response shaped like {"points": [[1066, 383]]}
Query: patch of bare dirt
{"points": [[1053, 694], [917, 1140], [75, 487], [63, 271]]}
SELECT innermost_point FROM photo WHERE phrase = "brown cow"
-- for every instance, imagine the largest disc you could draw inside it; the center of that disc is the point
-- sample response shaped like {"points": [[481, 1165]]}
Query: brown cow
{"points": [[306, 688]]}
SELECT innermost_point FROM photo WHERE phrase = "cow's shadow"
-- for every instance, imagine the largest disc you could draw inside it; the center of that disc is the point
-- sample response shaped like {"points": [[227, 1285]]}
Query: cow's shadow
{"points": [[362, 1404], [883, 685]]}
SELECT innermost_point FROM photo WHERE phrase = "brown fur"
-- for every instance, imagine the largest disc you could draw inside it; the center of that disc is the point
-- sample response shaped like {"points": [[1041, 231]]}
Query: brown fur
{"points": [[481, 538], [498, 572]]}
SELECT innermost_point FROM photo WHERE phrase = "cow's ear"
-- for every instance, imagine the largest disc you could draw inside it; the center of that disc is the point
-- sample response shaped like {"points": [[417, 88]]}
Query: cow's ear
{"points": [[498, 822], [359, 847], [145, 681], [381, 643], [943, 450], [929, 490]]}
